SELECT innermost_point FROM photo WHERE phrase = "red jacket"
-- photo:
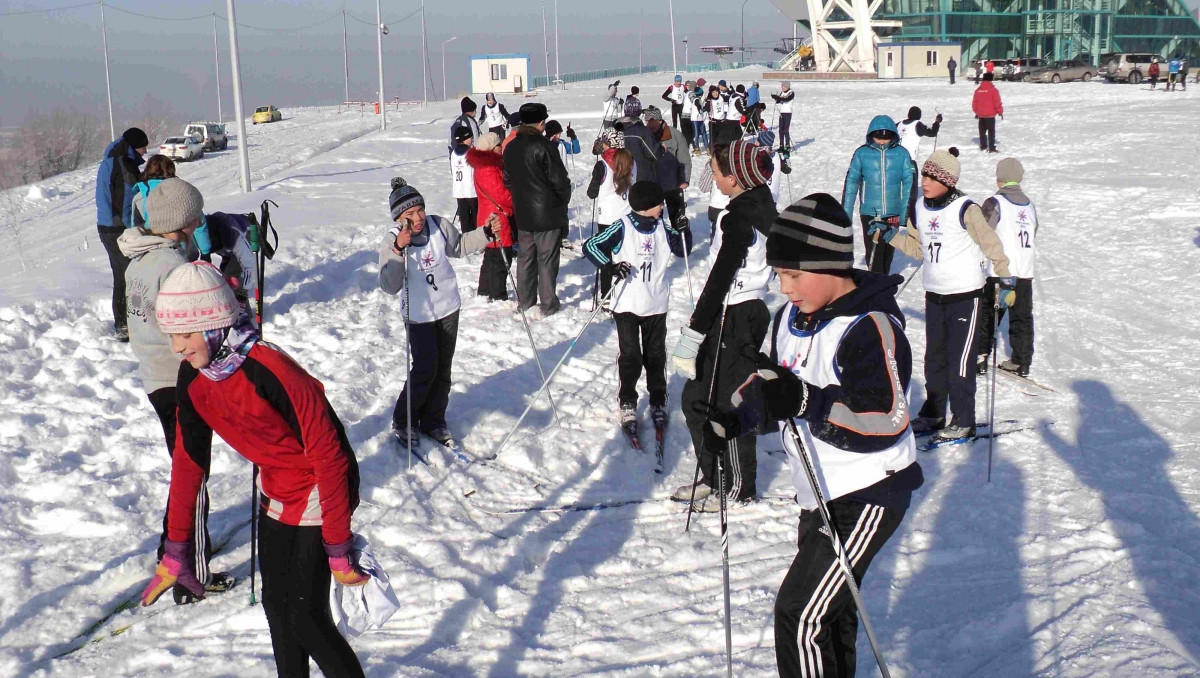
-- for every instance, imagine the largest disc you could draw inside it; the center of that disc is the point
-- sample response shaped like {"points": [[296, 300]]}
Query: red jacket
{"points": [[275, 414], [1154, 69], [986, 102], [494, 197]]}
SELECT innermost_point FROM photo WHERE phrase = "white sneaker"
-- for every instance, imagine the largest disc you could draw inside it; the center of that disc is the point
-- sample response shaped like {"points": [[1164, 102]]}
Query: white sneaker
{"points": [[684, 493]]}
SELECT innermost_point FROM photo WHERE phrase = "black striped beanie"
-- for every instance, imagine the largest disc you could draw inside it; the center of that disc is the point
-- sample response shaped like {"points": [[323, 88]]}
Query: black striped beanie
{"points": [[812, 234], [750, 164]]}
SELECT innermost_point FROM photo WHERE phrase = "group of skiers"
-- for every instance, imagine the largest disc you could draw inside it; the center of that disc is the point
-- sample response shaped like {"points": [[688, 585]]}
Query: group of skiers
{"points": [[829, 370], [1177, 73]]}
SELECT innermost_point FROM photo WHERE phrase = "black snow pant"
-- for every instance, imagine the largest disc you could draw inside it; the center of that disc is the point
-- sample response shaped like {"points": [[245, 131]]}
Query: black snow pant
{"points": [[713, 213], [746, 325], [433, 346], [676, 114], [165, 406], [950, 322], [987, 134], [879, 255], [295, 598], [118, 263], [785, 130], [642, 342], [714, 134], [1020, 322], [537, 269], [689, 133], [951, 77], [676, 206], [816, 620], [493, 273], [468, 210], [498, 130]]}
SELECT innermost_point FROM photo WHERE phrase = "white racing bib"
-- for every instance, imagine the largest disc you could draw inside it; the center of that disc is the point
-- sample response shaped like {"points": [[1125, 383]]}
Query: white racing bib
{"points": [[646, 290], [462, 177], [1018, 224], [754, 275], [432, 286], [953, 262]]}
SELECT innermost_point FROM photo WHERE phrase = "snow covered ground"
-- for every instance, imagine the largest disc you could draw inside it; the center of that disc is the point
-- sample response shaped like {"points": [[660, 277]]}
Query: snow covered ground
{"points": [[1080, 558]]}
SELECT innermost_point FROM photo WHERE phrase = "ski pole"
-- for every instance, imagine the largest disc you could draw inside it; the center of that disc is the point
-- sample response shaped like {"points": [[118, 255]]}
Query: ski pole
{"points": [[725, 563], [596, 277], [532, 344], [561, 361], [712, 394], [910, 277], [838, 547], [992, 401], [687, 268]]}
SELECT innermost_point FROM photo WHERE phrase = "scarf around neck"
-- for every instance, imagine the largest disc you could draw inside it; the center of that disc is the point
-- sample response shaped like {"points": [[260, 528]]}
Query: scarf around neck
{"points": [[229, 347]]}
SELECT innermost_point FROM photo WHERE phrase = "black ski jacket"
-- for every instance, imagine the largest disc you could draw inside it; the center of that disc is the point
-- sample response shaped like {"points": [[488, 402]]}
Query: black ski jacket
{"points": [[751, 211], [540, 185]]}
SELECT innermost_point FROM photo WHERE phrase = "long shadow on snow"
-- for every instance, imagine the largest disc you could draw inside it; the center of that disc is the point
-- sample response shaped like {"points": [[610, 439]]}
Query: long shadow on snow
{"points": [[329, 281], [963, 613], [326, 175], [1123, 459], [597, 542]]}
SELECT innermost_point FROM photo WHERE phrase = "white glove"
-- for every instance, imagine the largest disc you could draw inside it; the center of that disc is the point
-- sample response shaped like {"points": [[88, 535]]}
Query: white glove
{"points": [[684, 355]]}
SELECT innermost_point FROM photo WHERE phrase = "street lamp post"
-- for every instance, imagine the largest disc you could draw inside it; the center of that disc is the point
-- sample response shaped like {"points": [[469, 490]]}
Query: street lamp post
{"points": [[743, 49], [545, 44], [236, 66], [685, 53], [380, 29], [671, 12], [557, 72], [445, 94], [112, 126]]}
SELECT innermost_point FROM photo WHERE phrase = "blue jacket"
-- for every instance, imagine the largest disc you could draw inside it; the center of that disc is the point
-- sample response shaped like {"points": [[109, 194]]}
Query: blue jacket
{"points": [[885, 175], [115, 177], [751, 97], [1173, 66]]}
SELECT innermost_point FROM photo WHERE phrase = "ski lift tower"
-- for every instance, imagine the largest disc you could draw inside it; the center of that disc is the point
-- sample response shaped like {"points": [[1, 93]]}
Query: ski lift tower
{"points": [[720, 51], [843, 31]]}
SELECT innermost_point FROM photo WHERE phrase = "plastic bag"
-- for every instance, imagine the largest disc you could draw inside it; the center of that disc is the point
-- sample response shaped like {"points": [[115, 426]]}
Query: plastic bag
{"points": [[357, 609]]}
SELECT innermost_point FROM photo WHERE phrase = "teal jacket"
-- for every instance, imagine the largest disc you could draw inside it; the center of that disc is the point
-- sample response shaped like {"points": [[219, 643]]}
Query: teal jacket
{"points": [[884, 174]]}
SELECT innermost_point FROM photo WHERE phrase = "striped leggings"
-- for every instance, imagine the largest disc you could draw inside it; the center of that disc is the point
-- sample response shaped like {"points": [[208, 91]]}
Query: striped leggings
{"points": [[816, 621]]}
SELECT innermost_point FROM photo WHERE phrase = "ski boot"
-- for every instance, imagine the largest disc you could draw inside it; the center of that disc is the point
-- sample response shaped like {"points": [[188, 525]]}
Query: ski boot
{"points": [[1019, 370], [923, 424]]}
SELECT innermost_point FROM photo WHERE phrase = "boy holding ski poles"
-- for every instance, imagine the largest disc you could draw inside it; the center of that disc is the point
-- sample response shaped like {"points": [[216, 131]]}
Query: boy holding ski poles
{"points": [[639, 245], [835, 382]]}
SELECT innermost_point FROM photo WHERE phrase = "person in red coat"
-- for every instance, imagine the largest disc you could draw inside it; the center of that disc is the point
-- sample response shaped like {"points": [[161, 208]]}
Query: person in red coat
{"points": [[272, 412], [494, 199], [987, 105]]}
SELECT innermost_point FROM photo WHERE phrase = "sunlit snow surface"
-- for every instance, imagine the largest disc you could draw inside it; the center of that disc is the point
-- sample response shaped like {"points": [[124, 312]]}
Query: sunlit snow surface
{"points": [[1081, 558]]}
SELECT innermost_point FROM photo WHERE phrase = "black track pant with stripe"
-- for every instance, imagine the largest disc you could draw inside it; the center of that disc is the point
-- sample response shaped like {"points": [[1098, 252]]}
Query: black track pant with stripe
{"points": [[1020, 322], [950, 322], [642, 342], [165, 406], [816, 621]]}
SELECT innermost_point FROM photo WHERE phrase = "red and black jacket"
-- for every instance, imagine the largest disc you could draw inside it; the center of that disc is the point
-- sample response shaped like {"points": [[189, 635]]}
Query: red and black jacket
{"points": [[276, 415]]}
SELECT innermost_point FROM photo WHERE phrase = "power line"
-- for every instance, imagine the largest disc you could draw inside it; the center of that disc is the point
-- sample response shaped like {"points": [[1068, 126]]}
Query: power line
{"points": [[406, 17], [181, 19], [156, 18], [47, 11], [293, 30]]}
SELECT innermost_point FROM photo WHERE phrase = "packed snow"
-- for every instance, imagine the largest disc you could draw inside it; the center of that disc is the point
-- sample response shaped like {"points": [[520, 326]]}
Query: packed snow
{"points": [[1080, 558]]}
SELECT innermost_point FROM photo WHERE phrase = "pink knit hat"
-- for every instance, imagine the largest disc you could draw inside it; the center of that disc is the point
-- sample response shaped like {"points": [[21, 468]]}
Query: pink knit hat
{"points": [[750, 163], [195, 298]]}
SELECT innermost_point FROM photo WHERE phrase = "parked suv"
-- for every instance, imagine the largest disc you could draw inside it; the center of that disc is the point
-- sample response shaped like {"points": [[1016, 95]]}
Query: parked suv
{"points": [[1018, 69], [212, 134], [1131, 67]]}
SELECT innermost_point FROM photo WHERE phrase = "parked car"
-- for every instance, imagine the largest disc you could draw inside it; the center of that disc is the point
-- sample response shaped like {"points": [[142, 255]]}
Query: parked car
{"points": [[1063, 71], [212, 134], [1131, 67], [182, 148], [267, 114], [1018, 69]]}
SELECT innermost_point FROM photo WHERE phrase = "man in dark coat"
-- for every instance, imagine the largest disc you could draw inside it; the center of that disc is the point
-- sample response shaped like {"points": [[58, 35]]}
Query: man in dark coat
{"points": [[115, 177], [952, 66], [541, 190]]}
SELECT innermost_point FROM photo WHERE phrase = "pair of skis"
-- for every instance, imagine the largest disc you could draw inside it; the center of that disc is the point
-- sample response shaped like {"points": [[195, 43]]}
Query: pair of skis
{"points": [[630, 428], [983, 432]]}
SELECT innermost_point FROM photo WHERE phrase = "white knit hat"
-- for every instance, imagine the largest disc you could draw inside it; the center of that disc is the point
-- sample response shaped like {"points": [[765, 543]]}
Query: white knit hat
{"points": [[195, 298]]}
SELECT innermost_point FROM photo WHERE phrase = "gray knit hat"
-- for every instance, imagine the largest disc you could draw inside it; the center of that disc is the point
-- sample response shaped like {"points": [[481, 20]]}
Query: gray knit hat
{"points": [[403, 197], [173, 205], [812, 234], [1010, 171]]}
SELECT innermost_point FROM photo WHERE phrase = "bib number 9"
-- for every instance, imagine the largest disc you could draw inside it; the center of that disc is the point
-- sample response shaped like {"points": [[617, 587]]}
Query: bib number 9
{"points": [[429, 279]]}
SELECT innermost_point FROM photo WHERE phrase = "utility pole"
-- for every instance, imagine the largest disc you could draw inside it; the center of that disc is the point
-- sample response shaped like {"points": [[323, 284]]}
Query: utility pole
{"points": [[112, 126], [545, 43], [671, 11], [235, 63], [424, 61], [217, 62], [557, 72], [379, 30], [345, 54], [641, 17], [685, 53], [445, 95]]}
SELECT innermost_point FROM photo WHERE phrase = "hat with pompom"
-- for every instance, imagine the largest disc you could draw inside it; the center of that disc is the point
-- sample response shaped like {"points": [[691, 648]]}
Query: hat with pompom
{"points": [[943, 167], [403, 197], [194, 298]]}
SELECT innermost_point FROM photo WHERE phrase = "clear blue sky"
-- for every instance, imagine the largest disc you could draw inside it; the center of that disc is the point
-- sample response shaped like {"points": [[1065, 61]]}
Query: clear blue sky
{"points": [[55, 59]]}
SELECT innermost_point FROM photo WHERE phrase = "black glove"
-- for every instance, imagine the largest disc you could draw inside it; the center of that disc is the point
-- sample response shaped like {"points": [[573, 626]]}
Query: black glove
{"points": [[774, 390], [938, 118], [725, 425], [570, 132], [617, 83], [624, 269]]}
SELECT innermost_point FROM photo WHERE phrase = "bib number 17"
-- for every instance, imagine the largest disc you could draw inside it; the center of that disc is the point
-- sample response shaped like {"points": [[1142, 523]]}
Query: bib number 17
{"points": [[935, 250]]}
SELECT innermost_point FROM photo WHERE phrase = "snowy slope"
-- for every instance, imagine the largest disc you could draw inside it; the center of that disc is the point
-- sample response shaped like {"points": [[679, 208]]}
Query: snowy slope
{"points": [[1078, 559]]}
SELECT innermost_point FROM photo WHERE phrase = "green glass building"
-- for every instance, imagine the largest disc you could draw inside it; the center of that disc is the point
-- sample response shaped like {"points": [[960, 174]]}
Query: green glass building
{"points": [[1048, 29]]}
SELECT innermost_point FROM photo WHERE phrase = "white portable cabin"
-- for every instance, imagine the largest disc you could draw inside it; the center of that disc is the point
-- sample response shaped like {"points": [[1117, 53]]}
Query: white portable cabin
{"points": [[507, 73], [917, 59]]}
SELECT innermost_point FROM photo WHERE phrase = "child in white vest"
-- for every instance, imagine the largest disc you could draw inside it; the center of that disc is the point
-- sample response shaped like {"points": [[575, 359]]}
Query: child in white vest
{"points": [[415, 257], [1014, 217], [639, 245], [462, 180]]}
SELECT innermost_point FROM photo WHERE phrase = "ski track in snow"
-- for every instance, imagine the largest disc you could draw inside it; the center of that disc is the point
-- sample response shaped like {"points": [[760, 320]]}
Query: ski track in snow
{"points": [[1078, 559]]}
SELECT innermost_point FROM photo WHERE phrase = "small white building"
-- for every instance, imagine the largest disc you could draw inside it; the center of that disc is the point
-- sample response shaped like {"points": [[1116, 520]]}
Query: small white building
{"points": [[501, 73], [916, 59]]}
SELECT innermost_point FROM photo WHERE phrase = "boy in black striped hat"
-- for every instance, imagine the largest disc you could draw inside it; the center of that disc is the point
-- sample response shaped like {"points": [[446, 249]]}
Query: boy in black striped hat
{"points": [[839, 367]]}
